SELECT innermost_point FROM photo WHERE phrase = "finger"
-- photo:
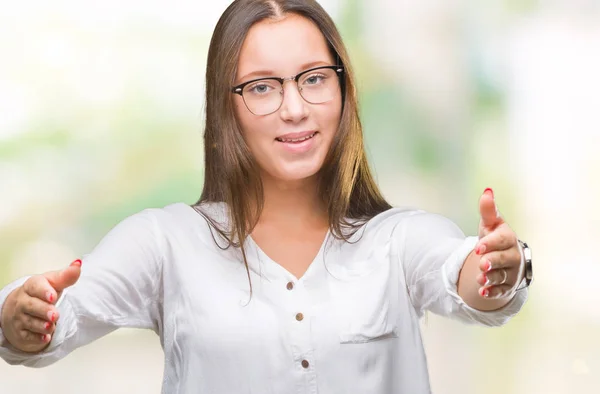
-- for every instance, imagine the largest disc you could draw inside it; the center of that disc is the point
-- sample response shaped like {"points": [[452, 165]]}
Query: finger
{"points": [[490, 217], [497, 291], [500, 239], [510, 258], [33, 338], [35, 307], [36, 325], [498, 277], [62, 279], [38, 287]]}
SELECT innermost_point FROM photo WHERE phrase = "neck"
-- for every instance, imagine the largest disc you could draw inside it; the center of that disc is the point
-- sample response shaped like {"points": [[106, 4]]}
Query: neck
{"points": [[294, 203]]}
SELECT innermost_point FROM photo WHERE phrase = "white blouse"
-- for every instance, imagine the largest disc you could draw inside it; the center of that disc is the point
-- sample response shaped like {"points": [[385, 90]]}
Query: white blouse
{"points": [[350, 324]]}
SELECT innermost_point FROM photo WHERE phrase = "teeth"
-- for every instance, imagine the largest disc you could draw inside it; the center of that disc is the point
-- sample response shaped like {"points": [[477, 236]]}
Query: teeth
{"points": [[296, 139]]}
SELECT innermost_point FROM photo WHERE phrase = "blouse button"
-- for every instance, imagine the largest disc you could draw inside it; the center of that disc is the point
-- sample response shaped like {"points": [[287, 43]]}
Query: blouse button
{"points": [[290, 286], [305, 364], [299, 316]]}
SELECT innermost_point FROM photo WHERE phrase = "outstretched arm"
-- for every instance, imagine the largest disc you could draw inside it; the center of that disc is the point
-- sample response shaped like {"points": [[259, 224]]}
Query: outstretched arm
{"points": [[119, 286], [444, 270]]}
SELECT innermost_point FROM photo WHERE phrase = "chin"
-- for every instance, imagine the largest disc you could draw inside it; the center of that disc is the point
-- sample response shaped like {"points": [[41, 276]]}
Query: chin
{"points": [[296, 172]]}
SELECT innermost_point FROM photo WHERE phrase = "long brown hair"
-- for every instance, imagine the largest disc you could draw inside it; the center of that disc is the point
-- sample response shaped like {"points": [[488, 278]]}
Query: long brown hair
{"points": [[232, 176]]}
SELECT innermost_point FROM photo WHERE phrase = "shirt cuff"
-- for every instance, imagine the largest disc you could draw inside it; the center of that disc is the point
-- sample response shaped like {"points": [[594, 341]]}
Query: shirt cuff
{"points": [[450, 274]]}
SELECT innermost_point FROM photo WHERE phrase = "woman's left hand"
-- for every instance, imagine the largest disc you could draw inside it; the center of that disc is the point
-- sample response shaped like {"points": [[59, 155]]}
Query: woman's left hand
{"points": [[500, 264]]}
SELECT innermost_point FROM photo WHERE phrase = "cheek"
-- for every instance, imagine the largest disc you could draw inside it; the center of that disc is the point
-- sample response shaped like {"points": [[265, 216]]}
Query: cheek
{"points": [[253, 130], [241, 113], [246, 121], [330, 117]]}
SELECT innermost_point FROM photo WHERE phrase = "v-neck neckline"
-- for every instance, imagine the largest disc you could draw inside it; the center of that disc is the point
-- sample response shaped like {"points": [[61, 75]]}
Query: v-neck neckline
{"points": [[266, 265], [274, 269]]}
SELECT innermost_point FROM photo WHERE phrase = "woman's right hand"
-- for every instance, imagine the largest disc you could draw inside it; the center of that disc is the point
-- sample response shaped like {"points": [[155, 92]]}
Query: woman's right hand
{"points": [[29, 316]]}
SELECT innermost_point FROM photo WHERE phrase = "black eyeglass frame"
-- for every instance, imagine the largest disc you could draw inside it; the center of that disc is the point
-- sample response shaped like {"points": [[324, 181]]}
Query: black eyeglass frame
{"points": [[239, 89]]}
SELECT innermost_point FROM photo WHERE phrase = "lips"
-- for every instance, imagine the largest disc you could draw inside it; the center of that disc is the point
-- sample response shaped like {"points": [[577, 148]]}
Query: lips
{"points": [[296, 140], [296, 137]]}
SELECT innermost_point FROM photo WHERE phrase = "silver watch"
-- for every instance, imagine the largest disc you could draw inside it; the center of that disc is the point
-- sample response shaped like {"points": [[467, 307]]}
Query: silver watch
{"points": [[526, 254]]}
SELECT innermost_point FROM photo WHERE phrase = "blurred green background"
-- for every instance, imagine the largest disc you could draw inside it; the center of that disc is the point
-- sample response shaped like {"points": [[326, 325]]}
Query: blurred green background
{"points": [[101, 116]]}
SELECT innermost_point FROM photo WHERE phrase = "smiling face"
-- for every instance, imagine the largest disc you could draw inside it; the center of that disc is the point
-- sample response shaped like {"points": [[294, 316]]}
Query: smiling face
{"points": [[278, 141]]}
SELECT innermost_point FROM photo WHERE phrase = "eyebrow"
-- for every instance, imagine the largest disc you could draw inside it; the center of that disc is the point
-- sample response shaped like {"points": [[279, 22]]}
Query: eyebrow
{"points": [[270, 73]]}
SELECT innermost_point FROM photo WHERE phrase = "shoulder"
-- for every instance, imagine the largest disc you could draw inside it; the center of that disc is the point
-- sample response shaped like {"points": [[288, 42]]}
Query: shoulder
{"points": [[181, 214], [183, 224], [387, 221], [176, 220], [374, 245], [172, 231], [398, 222]]}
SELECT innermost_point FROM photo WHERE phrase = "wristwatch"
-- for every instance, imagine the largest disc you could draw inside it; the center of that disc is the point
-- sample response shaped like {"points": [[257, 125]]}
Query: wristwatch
{"points": [[526, 258]]}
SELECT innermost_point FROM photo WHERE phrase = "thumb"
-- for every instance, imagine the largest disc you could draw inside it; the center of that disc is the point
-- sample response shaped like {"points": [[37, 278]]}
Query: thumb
{"points": [[490, 217], [62, 279]]}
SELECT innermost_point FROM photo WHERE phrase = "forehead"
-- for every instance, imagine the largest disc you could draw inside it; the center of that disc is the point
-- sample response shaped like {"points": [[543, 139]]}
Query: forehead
{"points": [[283, 46]]}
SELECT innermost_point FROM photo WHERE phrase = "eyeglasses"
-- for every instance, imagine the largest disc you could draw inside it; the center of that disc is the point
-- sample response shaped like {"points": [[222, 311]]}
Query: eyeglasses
{"points": [[264, 96]]}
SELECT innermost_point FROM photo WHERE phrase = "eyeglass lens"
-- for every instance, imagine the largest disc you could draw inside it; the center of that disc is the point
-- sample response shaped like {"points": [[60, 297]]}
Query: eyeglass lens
{"points": [[265, 96]]}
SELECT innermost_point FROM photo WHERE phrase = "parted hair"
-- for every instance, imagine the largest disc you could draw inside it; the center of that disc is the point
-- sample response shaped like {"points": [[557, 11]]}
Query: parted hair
{"points": [[232, 176]]}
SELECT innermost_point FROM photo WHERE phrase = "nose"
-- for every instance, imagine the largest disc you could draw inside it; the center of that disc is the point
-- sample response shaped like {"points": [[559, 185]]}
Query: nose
{"points": [[293, 108]]}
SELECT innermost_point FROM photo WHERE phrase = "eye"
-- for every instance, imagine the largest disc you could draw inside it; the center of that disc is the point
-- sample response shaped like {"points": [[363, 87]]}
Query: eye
{"points": [[314, 79], [260, 88]]}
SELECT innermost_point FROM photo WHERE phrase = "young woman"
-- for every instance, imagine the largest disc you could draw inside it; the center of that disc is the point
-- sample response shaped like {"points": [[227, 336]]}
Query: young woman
{"points": [[291, 273]]}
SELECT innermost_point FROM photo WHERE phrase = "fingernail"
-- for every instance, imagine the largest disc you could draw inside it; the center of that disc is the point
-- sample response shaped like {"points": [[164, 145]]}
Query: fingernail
{"points": [[44, 337], [487, 280], [489, 191], [77, 263], [484, 292], [49, 296], [47, 326], [51, 316], [480, 249], [487, 266], [482, 280]]}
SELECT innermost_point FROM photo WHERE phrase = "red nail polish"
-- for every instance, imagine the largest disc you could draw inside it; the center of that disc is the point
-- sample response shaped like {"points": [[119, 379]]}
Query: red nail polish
{"points": [[480, 249], [47, 326], [76, 262], [489, 191]]}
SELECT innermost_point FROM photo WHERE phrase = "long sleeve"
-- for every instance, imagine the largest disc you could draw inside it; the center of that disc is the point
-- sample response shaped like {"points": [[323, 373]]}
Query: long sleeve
{"points": [[119, 287], [433, 250]]}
